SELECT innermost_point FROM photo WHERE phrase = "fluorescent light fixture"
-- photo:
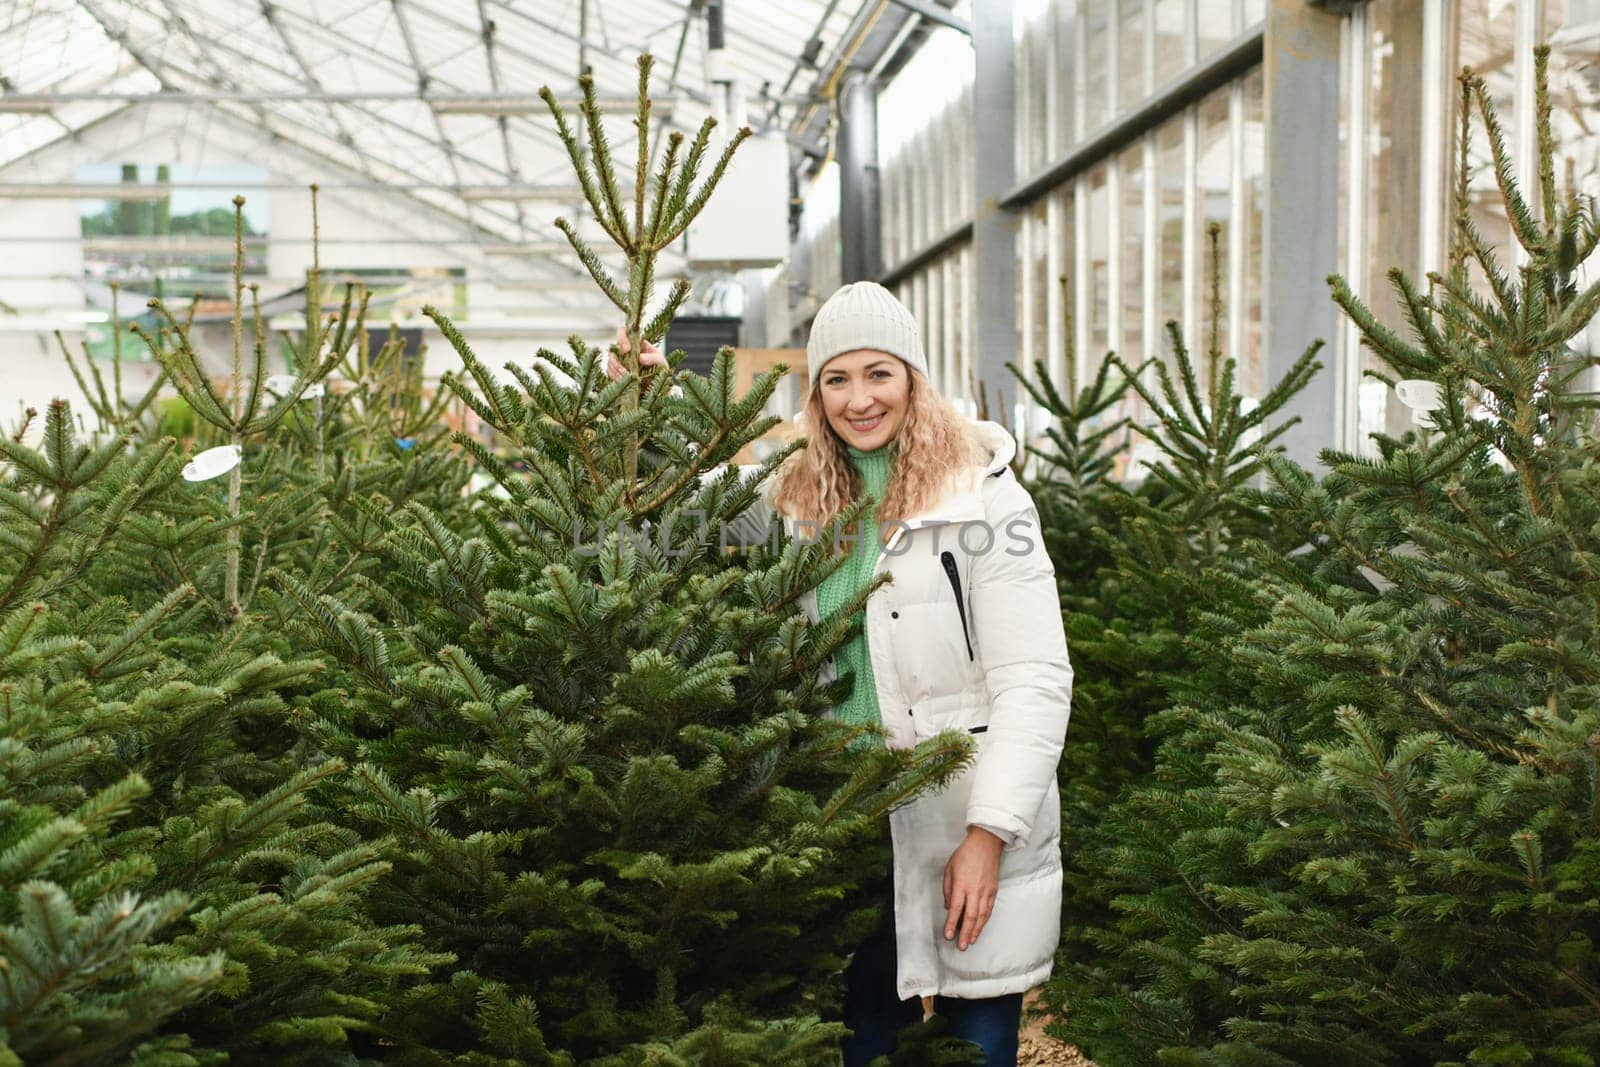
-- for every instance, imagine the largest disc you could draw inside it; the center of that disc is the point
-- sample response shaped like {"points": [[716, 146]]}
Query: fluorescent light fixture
{"points": [[583, 286], [532, 105], [477, 193], [599, 244], [505, 105], [528, 248], [159, 244], [83, 191]]}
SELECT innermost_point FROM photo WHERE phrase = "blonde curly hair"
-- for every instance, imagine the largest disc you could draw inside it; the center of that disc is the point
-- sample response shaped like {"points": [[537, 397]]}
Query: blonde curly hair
{"points": [[818, 482]]}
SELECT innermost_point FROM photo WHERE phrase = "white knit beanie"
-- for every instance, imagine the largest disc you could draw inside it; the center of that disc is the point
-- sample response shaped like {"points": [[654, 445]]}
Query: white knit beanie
{"points": [[863, 315]]}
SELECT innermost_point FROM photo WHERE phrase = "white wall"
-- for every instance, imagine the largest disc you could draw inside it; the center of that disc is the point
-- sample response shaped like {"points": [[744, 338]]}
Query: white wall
{"points": [[33, 373]]}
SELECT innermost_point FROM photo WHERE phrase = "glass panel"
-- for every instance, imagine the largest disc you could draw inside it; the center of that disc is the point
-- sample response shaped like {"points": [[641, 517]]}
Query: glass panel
{"points": [[955, 141], [1039, 273], [1032, 88], [1131, 346], [968, 152], [1066, 219], [1572, 27], [1131, 87], [1254, 12], [1252, 360], [949, 319], [1214, 186], [1170, 51], [1487, 28], [905, 209], [919, 307], [1022, 52], [1099, 240], [1040, 103], [1065, 59], [1393, 187], [969, 317], [1047, 86], [1169, 170], [1097, 68], [1380, 47], [954, 295], [1215, 21]]}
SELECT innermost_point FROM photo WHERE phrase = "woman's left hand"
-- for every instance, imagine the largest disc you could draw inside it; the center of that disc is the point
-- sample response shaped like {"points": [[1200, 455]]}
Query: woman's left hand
{"points": [[971, 883]]}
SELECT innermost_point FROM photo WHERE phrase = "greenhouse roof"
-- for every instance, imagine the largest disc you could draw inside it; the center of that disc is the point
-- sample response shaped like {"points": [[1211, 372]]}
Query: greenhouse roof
{"points": [[432, 98]]}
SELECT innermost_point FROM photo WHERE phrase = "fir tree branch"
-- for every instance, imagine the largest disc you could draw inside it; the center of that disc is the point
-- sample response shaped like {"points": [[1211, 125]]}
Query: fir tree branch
{"points": [[600, 154], [592, 264], [612, 225], [641, 177], [652, 231], [695, 206], [1523, 224]]}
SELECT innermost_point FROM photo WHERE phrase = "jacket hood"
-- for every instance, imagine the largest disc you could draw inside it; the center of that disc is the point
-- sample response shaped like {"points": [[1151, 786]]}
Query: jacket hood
{"points": [[996, 447], [962, 498]]}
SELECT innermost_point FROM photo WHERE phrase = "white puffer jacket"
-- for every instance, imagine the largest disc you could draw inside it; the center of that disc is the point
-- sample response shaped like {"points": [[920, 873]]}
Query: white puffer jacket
{"points": [[968, 636]]}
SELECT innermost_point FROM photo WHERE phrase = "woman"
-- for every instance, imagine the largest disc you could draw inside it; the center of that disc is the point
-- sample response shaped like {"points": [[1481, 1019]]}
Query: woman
{"points": [[967, 636]]}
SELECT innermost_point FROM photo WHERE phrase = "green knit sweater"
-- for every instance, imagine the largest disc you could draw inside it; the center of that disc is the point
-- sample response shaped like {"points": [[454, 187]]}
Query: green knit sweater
{"points": [[861, 706]]}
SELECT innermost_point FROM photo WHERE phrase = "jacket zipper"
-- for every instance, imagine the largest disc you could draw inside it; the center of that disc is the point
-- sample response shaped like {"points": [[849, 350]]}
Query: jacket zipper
{"points": [[949, 561]]}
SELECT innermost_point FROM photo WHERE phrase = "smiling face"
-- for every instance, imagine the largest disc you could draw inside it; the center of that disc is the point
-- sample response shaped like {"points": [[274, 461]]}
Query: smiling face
{"points": [[865, 395]]}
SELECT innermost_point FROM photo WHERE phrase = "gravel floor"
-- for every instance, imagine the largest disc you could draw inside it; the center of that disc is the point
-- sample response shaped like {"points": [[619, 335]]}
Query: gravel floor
{"points": [[1038, 1050]]}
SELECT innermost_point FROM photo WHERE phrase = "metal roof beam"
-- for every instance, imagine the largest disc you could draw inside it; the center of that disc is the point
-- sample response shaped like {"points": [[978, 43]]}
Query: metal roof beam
{"points": [[878, 32], [464, 103], [438, 124], [159, 70], [269, 12], [935, 13], [548, 134], [181, 241], [404, 188], [69, 132], [123, 38], [204, 49], [872, 23], [515, 171], [566, 34], [102, 190]]}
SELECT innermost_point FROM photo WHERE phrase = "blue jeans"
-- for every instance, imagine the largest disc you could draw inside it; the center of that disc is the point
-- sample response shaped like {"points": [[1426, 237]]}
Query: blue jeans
{"points": [[874, 1011]]}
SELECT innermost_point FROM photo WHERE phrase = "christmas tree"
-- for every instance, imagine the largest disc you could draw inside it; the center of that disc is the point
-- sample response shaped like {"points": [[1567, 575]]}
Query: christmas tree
{"points": [[597, 739], [170, 890], [346, 426], [166, 895], [1136, 564], [1370, 836]]}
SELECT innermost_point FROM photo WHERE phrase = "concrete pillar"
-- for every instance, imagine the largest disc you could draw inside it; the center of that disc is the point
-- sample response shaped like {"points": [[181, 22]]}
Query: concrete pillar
{"points": [[994, 230], [860, 211], [1301, 73]]}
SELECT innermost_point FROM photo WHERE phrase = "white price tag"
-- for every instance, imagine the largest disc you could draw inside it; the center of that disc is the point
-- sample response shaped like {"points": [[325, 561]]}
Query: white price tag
{"points": [[212, 463]]}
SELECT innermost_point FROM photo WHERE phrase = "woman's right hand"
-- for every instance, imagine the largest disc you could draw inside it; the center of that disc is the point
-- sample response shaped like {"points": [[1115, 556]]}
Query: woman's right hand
{"points": [[650, 356]]}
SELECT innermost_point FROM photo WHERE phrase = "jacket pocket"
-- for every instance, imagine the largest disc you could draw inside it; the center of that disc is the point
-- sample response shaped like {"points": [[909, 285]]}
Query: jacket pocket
{"points": [[949, 560]]}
